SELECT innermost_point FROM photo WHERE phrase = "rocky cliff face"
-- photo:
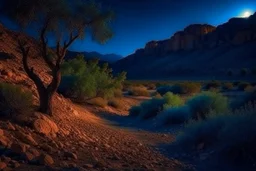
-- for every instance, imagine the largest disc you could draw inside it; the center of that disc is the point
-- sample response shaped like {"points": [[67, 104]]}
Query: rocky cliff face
{"points": [[236, 31], [231, 41], [189, 39]]}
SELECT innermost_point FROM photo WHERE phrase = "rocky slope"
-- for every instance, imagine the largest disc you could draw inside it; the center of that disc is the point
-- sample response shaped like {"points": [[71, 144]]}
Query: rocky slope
{"points": [[75, 138], [198, 50]]}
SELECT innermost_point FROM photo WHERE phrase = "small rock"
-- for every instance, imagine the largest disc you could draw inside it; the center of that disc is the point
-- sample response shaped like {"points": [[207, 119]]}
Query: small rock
{"points": [[2, 165], [46, 160], [4, 141], [70, 155], [7, 73], [1, 132], [72, 165], [14, 164], [88, 166], [6, 159], [61, 145], [46, 148], [28, 156], [107, 146], [19, 148], [10, 126], [34, 152], [26, 138]]}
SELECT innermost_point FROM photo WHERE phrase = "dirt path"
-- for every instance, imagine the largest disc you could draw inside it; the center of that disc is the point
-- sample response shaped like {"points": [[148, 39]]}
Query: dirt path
{"points": [[99, 143]]}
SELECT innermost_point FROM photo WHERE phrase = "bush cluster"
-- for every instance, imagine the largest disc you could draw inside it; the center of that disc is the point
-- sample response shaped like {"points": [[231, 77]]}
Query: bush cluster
{"points": [[213, 85], [15, 103], [203, 104], [116, 103], [197, 108], [83, 80], [228, 86], [139, 91], [233, 134], [186, 88], [151, 108]]}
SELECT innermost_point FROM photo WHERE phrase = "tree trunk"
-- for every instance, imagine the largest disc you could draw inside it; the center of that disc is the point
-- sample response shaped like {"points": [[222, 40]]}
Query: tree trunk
{"points": [[45, 101]]}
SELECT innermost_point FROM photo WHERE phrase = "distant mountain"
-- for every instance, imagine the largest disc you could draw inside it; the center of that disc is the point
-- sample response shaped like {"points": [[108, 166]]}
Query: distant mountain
{"points": [[199, 51], [110, 58]]}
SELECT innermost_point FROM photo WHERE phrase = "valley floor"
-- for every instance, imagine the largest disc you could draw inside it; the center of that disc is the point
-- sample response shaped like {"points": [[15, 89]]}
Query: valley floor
{"points": [[95, 143]]}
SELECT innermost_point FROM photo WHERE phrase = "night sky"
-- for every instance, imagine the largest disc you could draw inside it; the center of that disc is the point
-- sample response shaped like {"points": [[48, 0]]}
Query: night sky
{"points": [[140, 21]]}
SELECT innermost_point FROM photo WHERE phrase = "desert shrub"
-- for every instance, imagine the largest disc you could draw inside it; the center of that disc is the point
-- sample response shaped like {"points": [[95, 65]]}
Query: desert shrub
{"points": [[175, 115], [233, 134], [156, 95], [186, 88], [250, 88], [151, 86], [228, 86], [249, 97], [203, 104], [135, 111], [116, 103], [15, 103], [162, 90], [118, 93], [151, 108], [172, 100], [243, 85], [139, 91], [180, 88], [200, 132], [83, 80], [213, 85], [98, 101]]}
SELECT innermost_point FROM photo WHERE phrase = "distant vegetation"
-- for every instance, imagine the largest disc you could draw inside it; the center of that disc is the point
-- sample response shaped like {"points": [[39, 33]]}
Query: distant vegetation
{"points": [[83, 80], [139, 91], [211, 120], [186, 88]]}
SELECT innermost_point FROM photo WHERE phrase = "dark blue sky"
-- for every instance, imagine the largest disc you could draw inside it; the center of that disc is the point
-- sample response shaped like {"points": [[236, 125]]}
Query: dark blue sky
{"points": [[140, 21]]}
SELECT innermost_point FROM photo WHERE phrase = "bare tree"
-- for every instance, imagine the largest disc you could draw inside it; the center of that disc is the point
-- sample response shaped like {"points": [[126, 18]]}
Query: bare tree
{"points": [[63, 20]]}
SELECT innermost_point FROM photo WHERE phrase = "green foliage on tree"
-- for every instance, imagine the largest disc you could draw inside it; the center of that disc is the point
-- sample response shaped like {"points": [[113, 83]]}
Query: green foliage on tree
{"points": [[83, 80]]}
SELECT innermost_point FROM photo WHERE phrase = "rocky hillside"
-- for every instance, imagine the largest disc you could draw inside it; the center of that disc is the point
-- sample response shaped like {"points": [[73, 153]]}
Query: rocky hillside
{"points": [[75, 137], [198, 50]]}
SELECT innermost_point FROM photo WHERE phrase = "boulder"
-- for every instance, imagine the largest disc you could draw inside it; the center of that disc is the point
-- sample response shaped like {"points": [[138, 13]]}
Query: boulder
{"points": [[4, 141], [7, 73], [45, 125], [45, 160], [2, 165], [70, 155]]}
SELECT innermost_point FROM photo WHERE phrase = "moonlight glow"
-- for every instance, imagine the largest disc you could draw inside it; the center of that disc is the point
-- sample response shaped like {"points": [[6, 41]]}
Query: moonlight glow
{"points": [[246, 14]]}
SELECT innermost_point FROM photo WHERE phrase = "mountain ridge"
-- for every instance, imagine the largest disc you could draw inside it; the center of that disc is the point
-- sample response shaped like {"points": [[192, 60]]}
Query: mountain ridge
{"points": [[110, 58], [195, 51]]}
